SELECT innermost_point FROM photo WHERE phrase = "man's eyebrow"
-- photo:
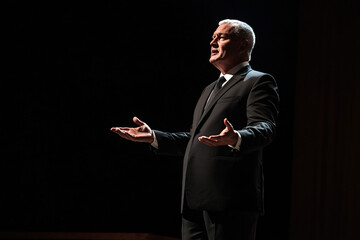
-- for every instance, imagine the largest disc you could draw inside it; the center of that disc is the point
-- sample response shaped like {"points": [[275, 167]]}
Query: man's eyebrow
{"points": [[221, 34]]}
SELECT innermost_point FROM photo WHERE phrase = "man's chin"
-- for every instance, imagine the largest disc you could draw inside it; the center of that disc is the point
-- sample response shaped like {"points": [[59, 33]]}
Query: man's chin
{"points": [[213, 60]]}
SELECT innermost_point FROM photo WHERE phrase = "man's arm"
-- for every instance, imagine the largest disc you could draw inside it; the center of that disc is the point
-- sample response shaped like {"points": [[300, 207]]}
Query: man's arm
{"points": [[262, 112], [166, 143], [172, 144]]}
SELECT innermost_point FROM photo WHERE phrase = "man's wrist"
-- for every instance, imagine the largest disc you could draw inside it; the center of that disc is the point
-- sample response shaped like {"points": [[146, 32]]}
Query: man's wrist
{"points": [[154, 144], [238, 142]]}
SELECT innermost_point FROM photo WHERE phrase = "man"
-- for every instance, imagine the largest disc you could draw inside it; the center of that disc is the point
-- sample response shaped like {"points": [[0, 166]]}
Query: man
{"points": [[222, 191]]}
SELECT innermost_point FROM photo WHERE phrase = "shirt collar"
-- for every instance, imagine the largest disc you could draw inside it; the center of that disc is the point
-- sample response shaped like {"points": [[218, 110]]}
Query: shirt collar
{"points": [[233, 71]]}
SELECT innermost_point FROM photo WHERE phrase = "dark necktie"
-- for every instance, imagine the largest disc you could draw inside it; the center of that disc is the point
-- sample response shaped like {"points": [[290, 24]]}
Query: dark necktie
{"points": [[216, 89]]}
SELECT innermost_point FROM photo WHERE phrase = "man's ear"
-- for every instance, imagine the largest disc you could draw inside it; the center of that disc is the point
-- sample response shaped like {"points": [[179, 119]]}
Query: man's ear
{"points": [[244, 49], [244, 45]]}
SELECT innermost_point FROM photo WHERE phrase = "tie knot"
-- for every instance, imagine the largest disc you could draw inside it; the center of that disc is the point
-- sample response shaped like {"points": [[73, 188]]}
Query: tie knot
{"points": [[220, 82], [216, 89]]}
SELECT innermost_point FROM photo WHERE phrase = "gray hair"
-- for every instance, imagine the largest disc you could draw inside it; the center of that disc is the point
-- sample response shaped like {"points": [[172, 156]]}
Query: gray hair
{"points": [[243, 31]]}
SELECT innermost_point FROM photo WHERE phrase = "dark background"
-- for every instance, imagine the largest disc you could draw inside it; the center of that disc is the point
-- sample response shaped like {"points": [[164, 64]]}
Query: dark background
{"points": [[73, 70]]}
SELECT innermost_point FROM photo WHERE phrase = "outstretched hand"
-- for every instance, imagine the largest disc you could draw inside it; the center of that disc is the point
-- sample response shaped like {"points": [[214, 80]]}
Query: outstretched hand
{"points": [[143, 133], [227, 137]]}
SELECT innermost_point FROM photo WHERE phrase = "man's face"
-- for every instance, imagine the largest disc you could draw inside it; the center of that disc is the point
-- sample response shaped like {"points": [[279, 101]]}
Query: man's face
{"points": [[225, 47]]}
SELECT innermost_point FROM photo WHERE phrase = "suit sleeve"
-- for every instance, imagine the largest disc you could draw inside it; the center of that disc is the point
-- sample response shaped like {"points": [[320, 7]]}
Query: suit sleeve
{"points": [[262, 112], [171, 144]]}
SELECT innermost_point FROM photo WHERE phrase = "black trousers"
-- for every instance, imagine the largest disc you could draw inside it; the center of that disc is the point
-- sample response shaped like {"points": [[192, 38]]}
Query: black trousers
{"points": [[231, 225]]}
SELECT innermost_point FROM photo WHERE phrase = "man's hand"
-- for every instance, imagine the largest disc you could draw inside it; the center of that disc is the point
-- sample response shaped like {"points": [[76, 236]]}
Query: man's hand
{"points": [[227, 137], [143, 133]]}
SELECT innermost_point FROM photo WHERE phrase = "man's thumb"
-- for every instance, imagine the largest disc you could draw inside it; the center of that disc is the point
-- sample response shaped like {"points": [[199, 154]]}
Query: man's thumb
{"points": [[138, 121], [227, 123]]}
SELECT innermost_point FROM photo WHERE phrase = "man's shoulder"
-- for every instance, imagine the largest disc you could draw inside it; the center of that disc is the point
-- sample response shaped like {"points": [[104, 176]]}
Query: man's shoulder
{"points": [[252, 74]]}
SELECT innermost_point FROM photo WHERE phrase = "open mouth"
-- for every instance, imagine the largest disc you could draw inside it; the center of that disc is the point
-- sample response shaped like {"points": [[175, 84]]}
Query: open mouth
{"points": [[214, 52]]}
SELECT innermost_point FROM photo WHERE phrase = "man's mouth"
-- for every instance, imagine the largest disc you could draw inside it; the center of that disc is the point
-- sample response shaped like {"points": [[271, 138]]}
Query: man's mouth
{"points": [[214, 52]]}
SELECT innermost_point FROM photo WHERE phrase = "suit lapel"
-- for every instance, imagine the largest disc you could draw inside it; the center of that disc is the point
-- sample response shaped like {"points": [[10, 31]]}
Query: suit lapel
{"points": [[199, 114], [202, 102]]}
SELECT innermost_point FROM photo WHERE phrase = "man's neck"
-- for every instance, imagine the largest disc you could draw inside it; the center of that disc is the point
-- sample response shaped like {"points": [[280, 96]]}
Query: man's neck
{"points": [[236, 68], [231, 69]]}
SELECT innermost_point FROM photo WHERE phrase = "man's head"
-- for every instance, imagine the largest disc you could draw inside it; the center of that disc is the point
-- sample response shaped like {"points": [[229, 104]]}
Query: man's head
{"points": [[232, 43]]}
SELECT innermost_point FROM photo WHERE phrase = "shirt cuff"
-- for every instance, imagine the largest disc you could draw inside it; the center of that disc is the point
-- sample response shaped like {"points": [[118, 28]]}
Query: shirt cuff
{"points": [[155, 144], [238, 143]]}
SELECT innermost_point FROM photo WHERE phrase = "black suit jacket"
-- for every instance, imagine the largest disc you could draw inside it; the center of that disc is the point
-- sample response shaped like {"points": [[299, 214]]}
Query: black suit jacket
{"points": [[220, 178]]}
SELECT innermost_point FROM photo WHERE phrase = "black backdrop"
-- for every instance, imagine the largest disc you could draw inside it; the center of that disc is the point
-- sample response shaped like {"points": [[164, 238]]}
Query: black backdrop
{"points": [[326, 180], [74, 69]]}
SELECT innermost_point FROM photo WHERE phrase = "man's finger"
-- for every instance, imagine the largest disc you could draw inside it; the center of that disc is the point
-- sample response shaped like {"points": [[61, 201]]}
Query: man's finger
{"points": [[216, 138], [207, 141], [138, 121], [146, 137], [129, 135], [119, 132], [210, 141], [228, 124], [115, 129]]}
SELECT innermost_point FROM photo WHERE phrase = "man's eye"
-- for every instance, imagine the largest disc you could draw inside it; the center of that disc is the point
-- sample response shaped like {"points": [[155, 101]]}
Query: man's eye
{"points": [[221, 38]]}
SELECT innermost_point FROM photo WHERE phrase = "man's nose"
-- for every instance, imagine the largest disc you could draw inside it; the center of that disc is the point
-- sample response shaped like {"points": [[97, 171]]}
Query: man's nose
{"points": [[214, 42]]}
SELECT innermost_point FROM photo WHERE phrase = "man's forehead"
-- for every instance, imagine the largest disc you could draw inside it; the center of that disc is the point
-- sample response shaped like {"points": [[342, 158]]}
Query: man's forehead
{"points": [[224, 28]]}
